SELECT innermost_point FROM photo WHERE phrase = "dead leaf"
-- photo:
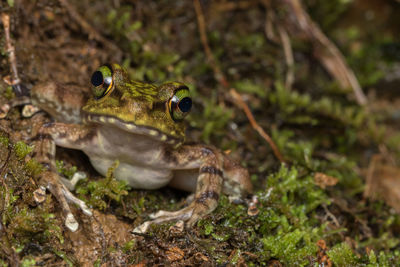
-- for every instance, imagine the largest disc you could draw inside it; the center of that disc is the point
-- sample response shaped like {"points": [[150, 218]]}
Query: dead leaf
{"points": [[323, 259], [174, 254], [323, 180], [200, 257], [384, 183]]}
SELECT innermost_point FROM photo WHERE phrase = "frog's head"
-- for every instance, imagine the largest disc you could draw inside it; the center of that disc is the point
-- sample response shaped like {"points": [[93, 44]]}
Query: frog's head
{"points": [[137, 107]]}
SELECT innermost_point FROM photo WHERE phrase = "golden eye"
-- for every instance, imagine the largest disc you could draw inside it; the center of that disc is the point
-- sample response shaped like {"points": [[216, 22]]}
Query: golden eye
{"points": [[180, 103], [102, 81]]}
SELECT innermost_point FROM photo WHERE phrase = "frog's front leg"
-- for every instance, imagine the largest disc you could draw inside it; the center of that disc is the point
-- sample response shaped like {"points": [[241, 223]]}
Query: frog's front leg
{"points": [[67, 135], [216, 173]]}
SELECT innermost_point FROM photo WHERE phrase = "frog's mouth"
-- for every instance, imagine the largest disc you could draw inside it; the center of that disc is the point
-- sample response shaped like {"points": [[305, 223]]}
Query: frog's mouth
{"points": [[133, 128]]}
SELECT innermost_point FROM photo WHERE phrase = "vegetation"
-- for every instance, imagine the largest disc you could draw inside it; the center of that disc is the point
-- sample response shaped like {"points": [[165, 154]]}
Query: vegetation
{"points": [[317, 125]]}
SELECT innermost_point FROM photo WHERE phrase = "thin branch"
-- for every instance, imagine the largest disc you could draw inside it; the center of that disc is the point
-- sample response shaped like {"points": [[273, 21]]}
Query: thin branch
{"points": [[220, 77], [15, 81], [369, 180], [301, 25], [87, 27], [287, 49], [240, 102]]}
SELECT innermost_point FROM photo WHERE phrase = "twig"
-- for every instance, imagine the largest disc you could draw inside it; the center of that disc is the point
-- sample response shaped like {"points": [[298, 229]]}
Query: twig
{"points": [[330, 215], [270, 19], [303, 26], [226, 6], [287, 49], [269, 22], [15, 81], [369, 180], [220, 77], [87, 27], [240, 102]]}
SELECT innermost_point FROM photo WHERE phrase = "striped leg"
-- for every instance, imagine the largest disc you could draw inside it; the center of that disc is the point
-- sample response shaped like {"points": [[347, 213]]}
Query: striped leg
{"points": [[210, 181], [44, 153]]}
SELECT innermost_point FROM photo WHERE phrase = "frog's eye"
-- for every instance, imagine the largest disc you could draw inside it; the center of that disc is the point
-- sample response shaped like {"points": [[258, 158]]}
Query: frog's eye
{"points": [[180, 104], [102, 81]]}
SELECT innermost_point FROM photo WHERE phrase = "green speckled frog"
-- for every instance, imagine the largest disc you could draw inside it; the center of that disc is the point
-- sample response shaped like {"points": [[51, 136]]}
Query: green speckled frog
{"points": [[142, 126]]}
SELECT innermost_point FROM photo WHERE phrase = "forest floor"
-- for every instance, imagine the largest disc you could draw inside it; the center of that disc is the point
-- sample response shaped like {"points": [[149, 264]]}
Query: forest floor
{"points": [[321, 82]]}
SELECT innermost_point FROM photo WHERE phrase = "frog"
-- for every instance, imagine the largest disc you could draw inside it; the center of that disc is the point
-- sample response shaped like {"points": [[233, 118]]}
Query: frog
{"points": [[142, 126]]}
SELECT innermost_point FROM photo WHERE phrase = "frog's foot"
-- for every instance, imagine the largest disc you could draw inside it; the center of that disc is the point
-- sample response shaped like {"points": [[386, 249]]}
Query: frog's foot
{"points": [[44, 153], [19, 101], [190, 214], [50, 181], [29, 110], [70, 184]]}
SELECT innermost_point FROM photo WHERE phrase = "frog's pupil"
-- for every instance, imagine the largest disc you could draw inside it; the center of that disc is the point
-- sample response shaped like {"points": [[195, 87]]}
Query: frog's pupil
{"points": [[97, 78], [185, 104]]}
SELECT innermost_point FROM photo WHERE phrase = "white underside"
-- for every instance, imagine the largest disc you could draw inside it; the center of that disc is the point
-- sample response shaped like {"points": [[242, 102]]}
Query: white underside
{"points": [[136, 176]]}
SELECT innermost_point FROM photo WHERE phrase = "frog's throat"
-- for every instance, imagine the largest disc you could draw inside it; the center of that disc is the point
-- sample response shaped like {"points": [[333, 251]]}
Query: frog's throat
{"points": [[133, 128]]}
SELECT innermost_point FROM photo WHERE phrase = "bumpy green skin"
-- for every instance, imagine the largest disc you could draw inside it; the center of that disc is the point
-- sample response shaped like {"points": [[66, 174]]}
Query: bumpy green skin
{"points": [[139, 103]]}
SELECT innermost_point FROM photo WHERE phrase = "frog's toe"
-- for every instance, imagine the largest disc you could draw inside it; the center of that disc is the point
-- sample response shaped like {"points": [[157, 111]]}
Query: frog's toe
{"points": [[190, 215], [50, 180], [141, 229], [80, 203], [4, 110], [71, 223], [164, 216], [39, 195]]}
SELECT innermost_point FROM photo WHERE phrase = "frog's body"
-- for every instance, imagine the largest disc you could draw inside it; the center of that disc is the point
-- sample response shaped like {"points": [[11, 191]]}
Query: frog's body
{"points": [[140, 125]]}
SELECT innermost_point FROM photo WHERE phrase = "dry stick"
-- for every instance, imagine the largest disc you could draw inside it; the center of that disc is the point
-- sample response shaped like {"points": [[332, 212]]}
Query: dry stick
{"points": [[225, 6], [220, 77], [4, 237], [370, 175], [87, 27], [239, 100], [324, 49], [287, 49], [284, 40], [15, 82]]}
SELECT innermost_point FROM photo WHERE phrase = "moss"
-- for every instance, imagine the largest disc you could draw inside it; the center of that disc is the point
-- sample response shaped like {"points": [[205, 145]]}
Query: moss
{"points": [[129, 245], [33, 167], [247, 86], [65, 257], [4, 140], [289, 231], [213, 120], [52, 229], [28, 262], [342, 255], [9, 93], [107, 188], [303, 108], [292, 248], [8, 209], [372, 259], [62, 169], [21, 149]]}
